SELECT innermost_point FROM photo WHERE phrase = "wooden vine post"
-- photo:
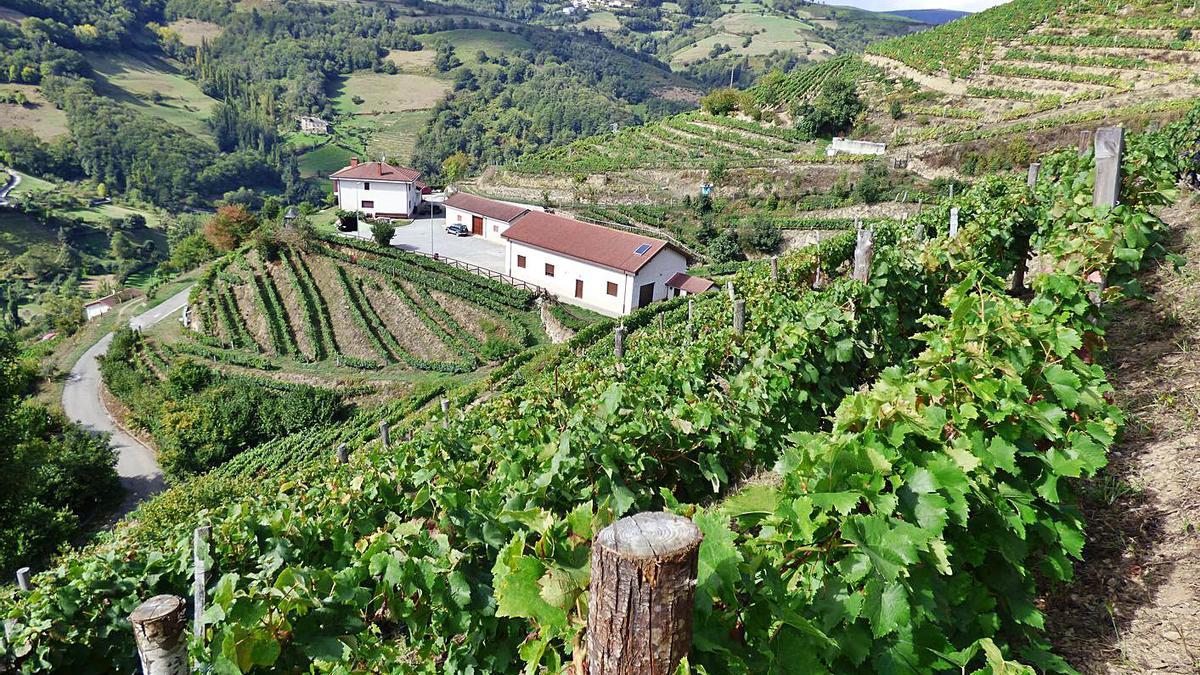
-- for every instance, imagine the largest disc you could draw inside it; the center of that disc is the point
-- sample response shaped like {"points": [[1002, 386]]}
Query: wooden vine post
{"points": [[643, 594], [619, 342], [158, 629], [691, 311], [200, 539], [385, 438], [1085, 142], [729, 289], [739, 316], [774, 268], [1106, 192], [445, 413], [864, 250]]}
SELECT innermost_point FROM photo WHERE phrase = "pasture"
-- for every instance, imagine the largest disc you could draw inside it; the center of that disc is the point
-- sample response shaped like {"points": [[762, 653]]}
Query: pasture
{"points": [[38, 115], [153, 86], [383, 93], [469, 41], [193, 32], [412, 62], [602, 21]]}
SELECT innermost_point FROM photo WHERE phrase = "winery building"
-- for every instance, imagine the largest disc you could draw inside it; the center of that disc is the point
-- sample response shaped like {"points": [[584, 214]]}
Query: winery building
{"points": [[610, 271], [484, 217]]}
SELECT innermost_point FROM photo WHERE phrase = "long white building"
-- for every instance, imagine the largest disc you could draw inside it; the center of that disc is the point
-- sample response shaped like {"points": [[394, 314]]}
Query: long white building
{"points": [[484, 217], [610, 271], [378, 189]]}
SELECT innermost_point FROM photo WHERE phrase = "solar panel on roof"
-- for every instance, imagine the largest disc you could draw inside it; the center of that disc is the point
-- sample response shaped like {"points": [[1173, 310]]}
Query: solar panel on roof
{"points": [[641, 250]]}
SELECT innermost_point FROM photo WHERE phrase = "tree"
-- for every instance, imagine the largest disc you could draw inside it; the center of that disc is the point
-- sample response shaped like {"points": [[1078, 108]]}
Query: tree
{"points": [[229, 227], [832, 112], [761, 235], [121, 248], [720, 102], [874, 182], [455, 167], [382, 232], [101, 191]]}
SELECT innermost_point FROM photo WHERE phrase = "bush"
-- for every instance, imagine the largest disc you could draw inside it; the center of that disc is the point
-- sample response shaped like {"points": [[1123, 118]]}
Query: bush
{"points": [[725, 247], [720, 102], [382, 232], [761, 235], [832, 112]]}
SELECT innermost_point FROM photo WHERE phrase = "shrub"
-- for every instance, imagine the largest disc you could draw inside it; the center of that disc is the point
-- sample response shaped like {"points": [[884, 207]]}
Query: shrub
{"points": [[382, 232], [720, 102]]}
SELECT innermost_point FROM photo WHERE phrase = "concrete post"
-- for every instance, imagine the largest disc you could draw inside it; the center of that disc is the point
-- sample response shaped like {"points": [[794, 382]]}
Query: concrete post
{"points": [[953, 222], [1034, 169], [23, 579], [200, 538], [343, 453], [739, 316], [864, 250], [1110, 145], [385, 438], [774, 268], [619, 342]]}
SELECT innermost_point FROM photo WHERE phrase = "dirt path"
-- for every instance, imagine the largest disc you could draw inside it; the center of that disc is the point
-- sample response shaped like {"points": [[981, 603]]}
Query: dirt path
{"points": [[942, 84], [1135, 605]]}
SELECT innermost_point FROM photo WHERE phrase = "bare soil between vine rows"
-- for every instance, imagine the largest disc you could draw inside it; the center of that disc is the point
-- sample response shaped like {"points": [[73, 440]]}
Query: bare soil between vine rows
{"points": [[1134, 606]]}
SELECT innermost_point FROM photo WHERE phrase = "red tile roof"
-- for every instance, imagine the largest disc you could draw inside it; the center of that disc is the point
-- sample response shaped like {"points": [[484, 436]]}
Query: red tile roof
{"points": [[380, 171], [486, 207], [592, 243], [689, 284]]}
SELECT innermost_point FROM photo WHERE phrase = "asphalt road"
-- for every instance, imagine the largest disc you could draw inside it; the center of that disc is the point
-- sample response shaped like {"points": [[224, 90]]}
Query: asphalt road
{"points": [[14, 182], [428, 234], [136, 464]]}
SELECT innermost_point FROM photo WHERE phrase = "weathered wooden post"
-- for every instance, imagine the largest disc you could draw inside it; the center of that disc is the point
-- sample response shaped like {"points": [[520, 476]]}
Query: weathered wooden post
{"points": [[1018, 280], [619, 342], [343, 453], [643, 594], [729, 289], [952, 192], [199, 579], [953, 222], [739, 316], [774, 268], [158, 629], [691, 312], [1085, 142], [23, 579], [864, 250], [919, 231], [1110, 145], [1034, 169], [445, 413], [385, 438]]}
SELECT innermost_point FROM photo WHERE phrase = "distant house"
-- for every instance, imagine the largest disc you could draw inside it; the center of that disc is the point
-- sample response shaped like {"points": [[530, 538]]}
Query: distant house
{"points": [[610, 271], [683, 283], [487, 218], [315, 125], [101, 306], [378, 189]]}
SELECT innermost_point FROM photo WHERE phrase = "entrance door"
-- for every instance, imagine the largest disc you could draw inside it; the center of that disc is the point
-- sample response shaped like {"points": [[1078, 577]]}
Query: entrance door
{"points": [[477, 225], [645, 295], [579, 288]]}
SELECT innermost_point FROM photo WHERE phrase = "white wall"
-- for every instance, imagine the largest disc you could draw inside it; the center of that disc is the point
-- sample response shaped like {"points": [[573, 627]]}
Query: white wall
{"points": [[492, 228], [848, 146], [389, 198], [566, 271], [660, 268], [595, 278]]}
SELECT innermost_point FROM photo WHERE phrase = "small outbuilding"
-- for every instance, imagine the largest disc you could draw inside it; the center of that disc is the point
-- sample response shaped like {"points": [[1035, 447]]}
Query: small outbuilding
{"points": [[314, 125], [484, 217], [682, 283]]}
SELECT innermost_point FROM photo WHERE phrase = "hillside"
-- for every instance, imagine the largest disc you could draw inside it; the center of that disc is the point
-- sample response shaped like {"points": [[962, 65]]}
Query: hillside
{"points": [[933, 17], [922, 432]]}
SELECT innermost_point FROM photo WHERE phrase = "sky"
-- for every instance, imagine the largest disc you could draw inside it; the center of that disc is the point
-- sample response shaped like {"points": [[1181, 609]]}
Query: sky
{"points": [[885, 5]]}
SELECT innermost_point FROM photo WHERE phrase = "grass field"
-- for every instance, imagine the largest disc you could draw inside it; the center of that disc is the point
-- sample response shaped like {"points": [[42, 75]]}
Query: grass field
{"points": [[324, 160], [39, 115], [99, 214], [767, 34], [134, 78], [30, 184], [469, 41], [18, 232], [602, 21], [413, 62], [383, 93], [192, 31], [393, 135]]}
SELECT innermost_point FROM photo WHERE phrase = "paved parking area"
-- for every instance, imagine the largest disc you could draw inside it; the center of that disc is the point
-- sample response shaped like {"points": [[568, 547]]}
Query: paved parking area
{"points": [[429, 235]]}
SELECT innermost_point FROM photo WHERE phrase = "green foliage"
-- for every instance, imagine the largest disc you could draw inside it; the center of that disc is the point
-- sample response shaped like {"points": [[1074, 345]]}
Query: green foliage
{"points": [[382, 232], [720, 101], [832, 112]]}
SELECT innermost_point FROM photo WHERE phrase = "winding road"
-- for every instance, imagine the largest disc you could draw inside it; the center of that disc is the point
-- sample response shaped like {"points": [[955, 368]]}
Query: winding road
{"points": [[137, 466], [12, 183]]}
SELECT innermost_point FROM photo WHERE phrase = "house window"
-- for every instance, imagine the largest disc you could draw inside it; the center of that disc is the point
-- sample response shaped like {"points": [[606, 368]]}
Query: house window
{"points": [[612, 289], [368, 205], [366, 186], [549, 270], [521, 261]]}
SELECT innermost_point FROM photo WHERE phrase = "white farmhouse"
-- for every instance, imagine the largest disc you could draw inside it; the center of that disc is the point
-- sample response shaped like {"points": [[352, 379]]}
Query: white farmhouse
{"points": [[610, 271], [484, 217], [378, 189]]}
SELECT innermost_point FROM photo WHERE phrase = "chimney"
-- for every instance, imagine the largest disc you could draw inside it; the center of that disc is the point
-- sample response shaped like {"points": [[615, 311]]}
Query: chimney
{"points": [[353, 162]]}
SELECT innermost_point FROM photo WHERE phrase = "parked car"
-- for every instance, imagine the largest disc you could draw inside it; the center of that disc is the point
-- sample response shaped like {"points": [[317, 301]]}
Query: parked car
{"points": [[458, 230]]}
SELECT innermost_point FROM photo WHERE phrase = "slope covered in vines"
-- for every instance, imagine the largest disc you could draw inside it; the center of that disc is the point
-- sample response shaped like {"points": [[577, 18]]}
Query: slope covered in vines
{"points": [[923, 428]]}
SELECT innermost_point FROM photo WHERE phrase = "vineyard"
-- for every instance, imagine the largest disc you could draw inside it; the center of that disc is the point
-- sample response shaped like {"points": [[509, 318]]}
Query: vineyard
{"points": [[354, 305], [915, 438], [1042, 64]]}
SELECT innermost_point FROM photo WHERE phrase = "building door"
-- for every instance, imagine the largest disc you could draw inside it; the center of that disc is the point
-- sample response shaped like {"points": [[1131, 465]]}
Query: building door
{"points": [[477, 225], [579, 288], [645, 295]]}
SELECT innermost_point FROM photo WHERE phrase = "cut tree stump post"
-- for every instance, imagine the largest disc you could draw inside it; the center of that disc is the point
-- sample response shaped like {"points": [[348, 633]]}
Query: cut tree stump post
{"points": [[199, 579], [23, 579], [343, 453], [619, 342], [385, 438], [739, 316], [643, 594], [774, 268], [864, 250], [1110, 145], [158, 629], [953, 222]]}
